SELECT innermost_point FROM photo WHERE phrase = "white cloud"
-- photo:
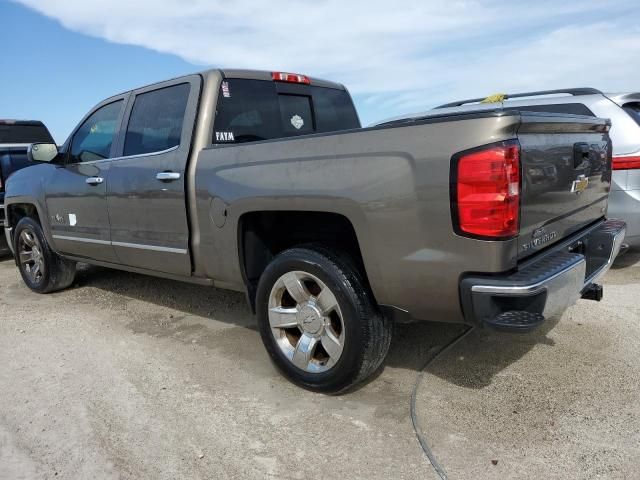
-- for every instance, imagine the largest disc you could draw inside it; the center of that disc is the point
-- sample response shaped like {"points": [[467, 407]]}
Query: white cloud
{"points": [[396, 56]]}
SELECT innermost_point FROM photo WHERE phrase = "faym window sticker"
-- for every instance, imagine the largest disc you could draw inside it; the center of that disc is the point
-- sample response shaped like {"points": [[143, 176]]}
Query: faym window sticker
{"points": [[225, 137]]}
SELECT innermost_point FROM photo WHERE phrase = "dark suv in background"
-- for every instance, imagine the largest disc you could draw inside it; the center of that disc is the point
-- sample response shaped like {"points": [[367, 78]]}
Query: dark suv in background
{"points": [[15, 137]]}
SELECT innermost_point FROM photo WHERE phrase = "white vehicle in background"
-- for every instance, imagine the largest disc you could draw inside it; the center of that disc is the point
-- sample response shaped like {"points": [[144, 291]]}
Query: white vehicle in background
{"points": [[624, 111]]}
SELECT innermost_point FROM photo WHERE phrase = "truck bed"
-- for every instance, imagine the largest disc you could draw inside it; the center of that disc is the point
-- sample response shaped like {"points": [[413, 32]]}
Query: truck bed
{"points": [[393, 183]]}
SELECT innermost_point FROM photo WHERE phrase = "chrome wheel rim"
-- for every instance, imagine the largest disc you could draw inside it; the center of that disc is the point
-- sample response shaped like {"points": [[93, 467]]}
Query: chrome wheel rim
{"points": [[306, 321], [31, 257]]}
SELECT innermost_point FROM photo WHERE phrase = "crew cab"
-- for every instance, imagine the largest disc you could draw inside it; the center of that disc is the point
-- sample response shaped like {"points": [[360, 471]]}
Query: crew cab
{"points": [[265, 183], [15, 137]]}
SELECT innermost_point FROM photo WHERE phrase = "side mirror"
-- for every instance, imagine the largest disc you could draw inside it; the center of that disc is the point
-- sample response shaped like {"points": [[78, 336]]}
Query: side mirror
{"points": [[42, 152]]}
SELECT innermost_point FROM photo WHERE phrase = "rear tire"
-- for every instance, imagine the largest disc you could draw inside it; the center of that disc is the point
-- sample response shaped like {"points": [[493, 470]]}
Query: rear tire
{"points": [[42, 270], [318, 320]]}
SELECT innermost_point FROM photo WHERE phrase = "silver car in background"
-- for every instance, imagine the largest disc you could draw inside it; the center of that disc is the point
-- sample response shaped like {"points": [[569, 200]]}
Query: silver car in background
{"points": [[624, 111]]}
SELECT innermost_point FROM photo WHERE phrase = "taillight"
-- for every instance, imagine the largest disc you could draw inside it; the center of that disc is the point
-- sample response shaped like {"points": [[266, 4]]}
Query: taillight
{"points": [[625, 163], [290, 77], [487, 191]]}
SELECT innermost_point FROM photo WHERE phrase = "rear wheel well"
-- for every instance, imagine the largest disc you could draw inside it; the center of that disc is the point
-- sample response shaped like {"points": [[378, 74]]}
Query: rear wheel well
{"points": [[262, 235]]}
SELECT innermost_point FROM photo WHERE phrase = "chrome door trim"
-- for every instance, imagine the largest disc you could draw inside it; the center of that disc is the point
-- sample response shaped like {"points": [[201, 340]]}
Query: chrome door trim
{"points": [[140, 246], [154, 248], [150, 154], [85, 240]]}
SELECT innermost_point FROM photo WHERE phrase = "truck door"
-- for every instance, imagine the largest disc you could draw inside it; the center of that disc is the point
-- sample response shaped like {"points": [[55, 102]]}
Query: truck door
{"points": [[146, 184], [76, 195]]}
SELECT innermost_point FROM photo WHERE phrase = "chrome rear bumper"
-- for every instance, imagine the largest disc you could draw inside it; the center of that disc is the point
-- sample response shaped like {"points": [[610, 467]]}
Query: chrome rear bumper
{"points": [[546, 285]]}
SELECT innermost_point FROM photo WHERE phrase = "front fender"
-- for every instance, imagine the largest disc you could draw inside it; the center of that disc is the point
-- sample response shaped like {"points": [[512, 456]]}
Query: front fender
{"points": [[25, 187]]}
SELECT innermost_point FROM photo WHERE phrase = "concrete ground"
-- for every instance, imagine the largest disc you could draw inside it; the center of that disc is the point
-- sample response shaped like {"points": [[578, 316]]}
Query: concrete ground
{"points": [[125, 376], [563, 402]]}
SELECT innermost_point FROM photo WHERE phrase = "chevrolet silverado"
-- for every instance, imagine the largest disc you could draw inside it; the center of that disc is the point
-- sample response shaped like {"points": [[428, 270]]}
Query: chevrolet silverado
{"points": [[265, 183]]}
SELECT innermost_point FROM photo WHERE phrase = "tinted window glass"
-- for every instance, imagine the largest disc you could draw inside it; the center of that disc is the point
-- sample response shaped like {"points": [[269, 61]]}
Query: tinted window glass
{"points": [[571, 108], [92, 141], [633, 109], [16, 133], [295, 114], [334, 110], [252, 110], [156, 120], [247, 112]]}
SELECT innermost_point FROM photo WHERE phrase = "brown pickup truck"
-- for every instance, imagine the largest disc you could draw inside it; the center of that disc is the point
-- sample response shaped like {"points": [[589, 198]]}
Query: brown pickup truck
{"points": [[265, 182]]}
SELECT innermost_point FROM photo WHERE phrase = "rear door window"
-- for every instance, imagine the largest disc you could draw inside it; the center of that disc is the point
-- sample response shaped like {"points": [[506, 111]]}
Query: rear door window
{"points": [[156, 120], [254, 110]]}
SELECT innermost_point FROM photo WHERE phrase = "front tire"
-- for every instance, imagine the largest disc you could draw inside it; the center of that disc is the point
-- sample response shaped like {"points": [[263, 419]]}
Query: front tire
{"points": [[42, 270], [318, 320]]}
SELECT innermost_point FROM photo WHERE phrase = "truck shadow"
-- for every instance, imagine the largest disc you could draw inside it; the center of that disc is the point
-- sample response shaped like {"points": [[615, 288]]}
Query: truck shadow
{"points": [[413, 345], [631, 257], [482, 354]]}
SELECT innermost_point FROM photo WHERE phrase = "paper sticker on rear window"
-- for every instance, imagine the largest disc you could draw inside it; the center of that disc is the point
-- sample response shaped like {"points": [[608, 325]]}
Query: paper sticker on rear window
{"points": [[226, 93]]}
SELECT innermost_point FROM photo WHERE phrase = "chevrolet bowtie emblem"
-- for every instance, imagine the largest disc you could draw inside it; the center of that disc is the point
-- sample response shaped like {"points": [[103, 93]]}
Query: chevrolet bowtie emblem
{"points": [[579, 185]]}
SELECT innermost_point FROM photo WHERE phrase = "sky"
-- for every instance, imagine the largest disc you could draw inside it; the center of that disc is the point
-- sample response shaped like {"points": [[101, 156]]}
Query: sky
{"points": [[60, 57]]}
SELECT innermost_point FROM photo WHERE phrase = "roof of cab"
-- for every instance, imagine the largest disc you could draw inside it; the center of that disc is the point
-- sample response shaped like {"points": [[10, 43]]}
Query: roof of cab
{"points": [[34, 123], [266, 75], [232, 73]]}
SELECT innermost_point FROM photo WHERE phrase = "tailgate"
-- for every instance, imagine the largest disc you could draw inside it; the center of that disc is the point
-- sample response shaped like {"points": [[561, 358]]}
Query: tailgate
{"points": [[566, 177]]}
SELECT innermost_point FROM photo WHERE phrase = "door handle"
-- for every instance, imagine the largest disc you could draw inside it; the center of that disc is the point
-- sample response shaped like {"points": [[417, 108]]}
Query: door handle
{"points": [[94, 180], [167, 176]]}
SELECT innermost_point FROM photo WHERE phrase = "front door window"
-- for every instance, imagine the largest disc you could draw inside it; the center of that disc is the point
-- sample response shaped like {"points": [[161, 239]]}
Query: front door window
{"points": [[93, 140]]}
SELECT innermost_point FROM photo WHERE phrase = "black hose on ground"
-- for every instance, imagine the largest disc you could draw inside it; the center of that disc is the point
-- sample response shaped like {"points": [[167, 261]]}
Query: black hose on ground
{"points": [[414, 419]]}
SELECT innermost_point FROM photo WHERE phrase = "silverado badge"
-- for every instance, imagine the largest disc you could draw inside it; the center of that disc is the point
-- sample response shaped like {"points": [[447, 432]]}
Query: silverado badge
{"points": [[579, 185], [539, 237]]}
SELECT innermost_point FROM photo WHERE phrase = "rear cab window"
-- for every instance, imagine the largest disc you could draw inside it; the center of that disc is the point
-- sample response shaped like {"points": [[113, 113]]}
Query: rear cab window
{"points": [[23, 132], [255, 110]]}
